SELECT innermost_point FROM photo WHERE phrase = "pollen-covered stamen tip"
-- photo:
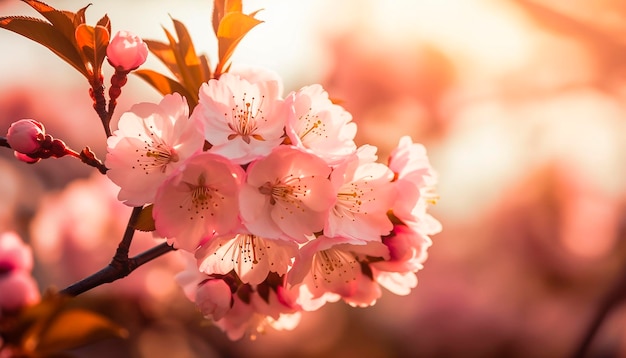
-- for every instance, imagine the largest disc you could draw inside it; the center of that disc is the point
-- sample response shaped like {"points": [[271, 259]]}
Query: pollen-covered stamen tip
{"points": [[245, 120]]}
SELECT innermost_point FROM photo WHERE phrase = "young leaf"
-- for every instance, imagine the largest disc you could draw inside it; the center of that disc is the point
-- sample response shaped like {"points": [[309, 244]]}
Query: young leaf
{"points": [[233, 27], [164, 52], [166, 85], [92, 41], [74, 328], [61, 21], [46, 35]]}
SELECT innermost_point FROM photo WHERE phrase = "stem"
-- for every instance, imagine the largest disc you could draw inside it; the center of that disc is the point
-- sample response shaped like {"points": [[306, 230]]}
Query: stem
{"points": [[121, 255], [613, 297], [4, 142], [111, 273]]}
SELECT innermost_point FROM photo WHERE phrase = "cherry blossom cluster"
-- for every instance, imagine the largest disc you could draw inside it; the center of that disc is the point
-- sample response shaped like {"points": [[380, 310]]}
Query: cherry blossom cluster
{"points": [[268, 195]]}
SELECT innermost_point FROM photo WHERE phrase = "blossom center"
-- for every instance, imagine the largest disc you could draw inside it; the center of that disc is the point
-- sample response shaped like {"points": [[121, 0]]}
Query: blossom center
{"points": [[244, 119], [288, 191], [311, 124], [334, 266]]}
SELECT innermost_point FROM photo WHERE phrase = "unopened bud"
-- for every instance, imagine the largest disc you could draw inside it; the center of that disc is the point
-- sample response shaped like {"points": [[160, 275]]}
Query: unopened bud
{"points": [[126, 51], [26, 136]]}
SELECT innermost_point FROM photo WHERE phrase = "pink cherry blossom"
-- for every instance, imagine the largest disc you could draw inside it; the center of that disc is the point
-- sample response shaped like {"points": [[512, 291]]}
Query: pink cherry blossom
{"points": [[364, 195], [213, 298], [407, 253], [287, 195], [151, 142], [26, 136], [251, 257], [14, 253], [126, 51], [19, 290], [198, 201], [18, 287], [329, 268], [242, 120], [416, 180], [320, 126]]}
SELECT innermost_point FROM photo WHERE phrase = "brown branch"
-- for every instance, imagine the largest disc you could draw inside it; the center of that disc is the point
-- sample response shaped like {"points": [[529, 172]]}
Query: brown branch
{"points": [[612, 299], [4, 142], [113, 272]]}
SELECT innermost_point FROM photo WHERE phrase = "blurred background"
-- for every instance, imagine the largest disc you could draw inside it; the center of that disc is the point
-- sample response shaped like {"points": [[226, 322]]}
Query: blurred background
{"points": [[521, 105]]}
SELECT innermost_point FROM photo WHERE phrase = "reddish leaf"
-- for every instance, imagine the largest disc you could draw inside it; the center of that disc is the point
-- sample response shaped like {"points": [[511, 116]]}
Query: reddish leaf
{"points": [[166, 85], [105, 22], [62, 21], [233, 27], [92, 41], [74, 328], [145, 222], [164, 53], [186, 76], [46, 35], [223, 7]]}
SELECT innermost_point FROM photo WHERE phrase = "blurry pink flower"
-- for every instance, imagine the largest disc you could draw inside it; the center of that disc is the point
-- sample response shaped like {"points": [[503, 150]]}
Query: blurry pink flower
{"points": [[14, 253], [213, 298], [17, 286], [198, 201], [331, 266], [364, 195], [251, 257], [242, 120], [126, 51], [318, 125], [152, 141], [415, 180], [19, 290], [26, 136], [407, 253], [287, 195]]}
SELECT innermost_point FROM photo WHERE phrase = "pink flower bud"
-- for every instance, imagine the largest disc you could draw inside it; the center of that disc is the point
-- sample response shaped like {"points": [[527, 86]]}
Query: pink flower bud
{"points": [[213, 298], [14, 253], [19, 290], [26, 135], [25, 158], [126, 51]]}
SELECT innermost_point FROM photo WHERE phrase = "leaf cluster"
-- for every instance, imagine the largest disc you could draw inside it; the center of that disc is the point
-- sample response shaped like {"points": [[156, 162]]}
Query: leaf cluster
{"points": [[67, 35]]}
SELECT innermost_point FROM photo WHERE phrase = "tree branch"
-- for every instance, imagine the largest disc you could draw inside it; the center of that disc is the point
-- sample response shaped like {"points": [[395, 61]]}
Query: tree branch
{"points": [[4, 142], [112, 273], [121, 265], [613, 297]]}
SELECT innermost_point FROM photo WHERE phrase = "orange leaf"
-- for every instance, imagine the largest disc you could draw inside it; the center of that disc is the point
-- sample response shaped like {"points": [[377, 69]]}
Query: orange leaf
{"points": [[145, 222], [92, 41], [59, 19], [164, 53], [166, 85], [46, 35], [233, 27], [74, 328]]}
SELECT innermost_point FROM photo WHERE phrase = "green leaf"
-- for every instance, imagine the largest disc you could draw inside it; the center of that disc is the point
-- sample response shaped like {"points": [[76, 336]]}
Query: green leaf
{"points": [[166, 85], [145, 222], [46, 35], [233, 27]]}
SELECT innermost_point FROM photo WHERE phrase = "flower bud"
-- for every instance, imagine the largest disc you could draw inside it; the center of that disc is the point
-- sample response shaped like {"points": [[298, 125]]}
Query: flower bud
{"points": [[126, 51], [26, 136], [213, 298]]}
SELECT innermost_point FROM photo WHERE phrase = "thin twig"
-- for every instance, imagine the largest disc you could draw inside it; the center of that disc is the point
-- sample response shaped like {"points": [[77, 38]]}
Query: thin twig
{"points": [[113, 273], [613, 297], [4, 142]]}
